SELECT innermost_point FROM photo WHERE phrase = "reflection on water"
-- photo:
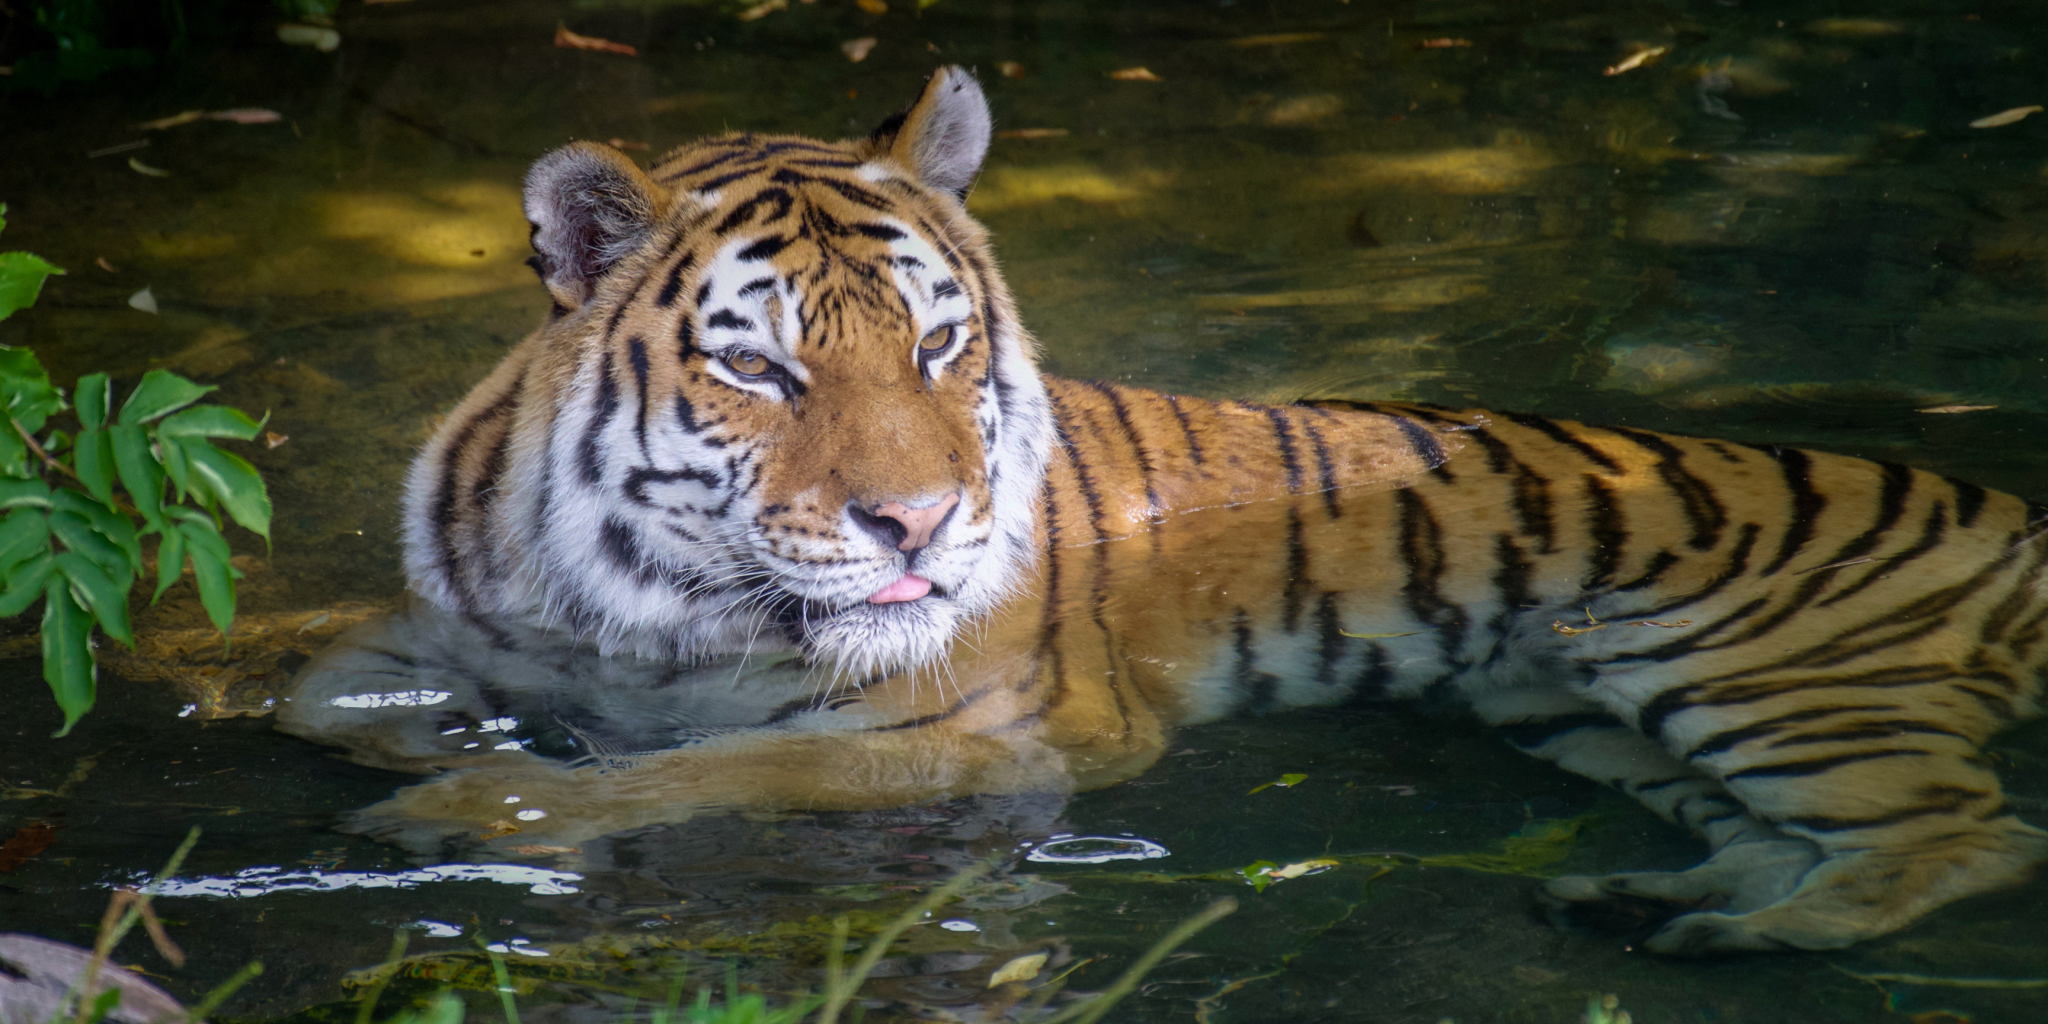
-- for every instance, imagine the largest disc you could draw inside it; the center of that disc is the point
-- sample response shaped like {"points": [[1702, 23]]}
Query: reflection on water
{"points": [[1782, 228]]}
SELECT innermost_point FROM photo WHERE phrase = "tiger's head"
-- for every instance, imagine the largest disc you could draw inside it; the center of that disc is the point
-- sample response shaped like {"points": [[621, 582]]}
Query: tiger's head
{"points": [[782, 395]]}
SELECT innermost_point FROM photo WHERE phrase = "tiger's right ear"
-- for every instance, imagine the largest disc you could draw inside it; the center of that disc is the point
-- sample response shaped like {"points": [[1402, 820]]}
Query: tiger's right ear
{"points": [[590, 207]]}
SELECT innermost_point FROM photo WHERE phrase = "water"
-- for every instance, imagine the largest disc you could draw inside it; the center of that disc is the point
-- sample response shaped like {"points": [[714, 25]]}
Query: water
{"points": [[1782, 229]]}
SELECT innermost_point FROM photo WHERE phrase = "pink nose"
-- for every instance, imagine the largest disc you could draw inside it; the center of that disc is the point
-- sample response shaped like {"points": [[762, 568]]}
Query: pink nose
{"points": [[917, 523]]}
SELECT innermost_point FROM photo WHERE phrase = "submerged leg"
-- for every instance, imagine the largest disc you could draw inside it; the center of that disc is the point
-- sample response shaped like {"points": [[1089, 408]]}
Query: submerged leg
{"points": [[1753, 864]]}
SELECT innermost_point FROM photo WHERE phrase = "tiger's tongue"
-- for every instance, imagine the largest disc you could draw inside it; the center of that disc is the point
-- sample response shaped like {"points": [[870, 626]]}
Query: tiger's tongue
{"points": [[909, 587]]}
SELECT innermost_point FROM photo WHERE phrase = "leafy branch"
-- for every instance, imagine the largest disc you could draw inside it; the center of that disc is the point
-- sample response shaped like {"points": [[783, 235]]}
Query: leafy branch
{"points": [[68, 539]]}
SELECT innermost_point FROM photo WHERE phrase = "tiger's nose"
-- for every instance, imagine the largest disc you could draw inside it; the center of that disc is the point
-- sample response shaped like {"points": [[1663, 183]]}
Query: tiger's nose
{"points": [[907, 528]]}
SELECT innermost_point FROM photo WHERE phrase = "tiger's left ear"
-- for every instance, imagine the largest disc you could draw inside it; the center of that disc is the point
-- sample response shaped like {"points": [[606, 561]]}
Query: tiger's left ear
{"points": [[942, 137], [590, 207]]}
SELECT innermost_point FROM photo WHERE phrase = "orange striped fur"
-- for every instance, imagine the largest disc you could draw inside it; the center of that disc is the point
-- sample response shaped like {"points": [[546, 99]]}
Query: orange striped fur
{"points": [[1796, 655]]}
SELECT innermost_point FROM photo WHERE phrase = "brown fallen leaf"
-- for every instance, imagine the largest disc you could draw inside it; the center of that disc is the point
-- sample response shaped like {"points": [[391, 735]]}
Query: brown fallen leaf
{"points": [[1956, 408], [273, 439], [857, 50], [1575, 630], [1444, 43], [2005, 117], [872, 6], [1033, 133], [246, 115], [161, 123], [568, 40], [618, 143], [1277, 39], [101, 262], [499, 829], [1138, 74], [27, 841], [541, 850], [763, 9], [1680, 624], [1010, 68], [1637, 59]]}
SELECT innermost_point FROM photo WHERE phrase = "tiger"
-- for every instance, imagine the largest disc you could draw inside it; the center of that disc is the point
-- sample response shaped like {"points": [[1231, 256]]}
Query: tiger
{"points": [[783, 402]]}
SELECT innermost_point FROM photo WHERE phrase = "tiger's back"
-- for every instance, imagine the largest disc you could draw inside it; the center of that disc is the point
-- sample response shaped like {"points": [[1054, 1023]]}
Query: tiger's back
{"points": [[785, 401]]}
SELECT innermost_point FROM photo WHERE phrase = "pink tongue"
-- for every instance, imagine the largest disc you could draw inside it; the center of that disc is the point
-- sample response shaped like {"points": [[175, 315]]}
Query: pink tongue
{"points": [[909, 588]]}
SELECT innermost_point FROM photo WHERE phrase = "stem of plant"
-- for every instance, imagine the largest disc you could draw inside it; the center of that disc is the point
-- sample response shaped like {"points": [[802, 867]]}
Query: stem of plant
{"points": [[1092, 1010], [51, 461], [878, 946], [398, 941], [504, 980], [111, 937]]}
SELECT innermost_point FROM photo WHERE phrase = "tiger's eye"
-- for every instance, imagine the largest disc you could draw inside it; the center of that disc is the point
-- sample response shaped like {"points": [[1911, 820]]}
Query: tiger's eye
{"points": [[937, 340], [751, 364]]}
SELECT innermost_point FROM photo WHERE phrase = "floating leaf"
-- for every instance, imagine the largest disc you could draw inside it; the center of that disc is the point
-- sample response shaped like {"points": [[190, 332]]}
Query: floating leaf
{"points": [[142, 168], [1951, 409], [1560, 627], [1138, 74], [2005, 117], [571, 41], [1023, 968], [1284, 781], [93, 460], [319, 37], [763, 9], [160, 392], [27, 841], [872, 6], [1300, 868], [1255, 874], [1445, 43], [246, 115], [106, 596], [21, 280], [161, 123], [1010, 68], [67, 652], [856, 50], [1636, 60], [144, 300]]}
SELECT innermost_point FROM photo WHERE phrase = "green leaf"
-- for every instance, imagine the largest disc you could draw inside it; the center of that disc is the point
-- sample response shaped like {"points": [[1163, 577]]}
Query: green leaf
{"points": [[23, 534], [94, 589], [78, 535], [141, 474], [210, 421], [113, 526], [1256, 874], [93, 397], [67, 652], [175, 465], [170, 562], [103, 1005], [230, 479], [25, 389], [13, 453], [25, 584], [24, 494], [21, 278], [94, 464], [200, 529], [160, 392], [216, 579]]}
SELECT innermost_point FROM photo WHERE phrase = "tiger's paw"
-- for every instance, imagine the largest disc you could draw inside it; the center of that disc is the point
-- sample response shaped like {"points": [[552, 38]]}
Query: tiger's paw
{"points": [[1707, 934], [1737, 879], [468, 809]]}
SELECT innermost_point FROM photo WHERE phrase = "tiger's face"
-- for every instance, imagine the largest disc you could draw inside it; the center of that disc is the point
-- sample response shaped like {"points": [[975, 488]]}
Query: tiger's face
{"points": [[791, 398]]}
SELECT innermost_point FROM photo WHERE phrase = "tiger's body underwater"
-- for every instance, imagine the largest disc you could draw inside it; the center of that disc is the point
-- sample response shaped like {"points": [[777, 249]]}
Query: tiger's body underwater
{"points": [[784, 402]]}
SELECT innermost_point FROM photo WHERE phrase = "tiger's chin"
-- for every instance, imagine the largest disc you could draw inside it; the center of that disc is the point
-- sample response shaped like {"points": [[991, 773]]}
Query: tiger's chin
{"points": [[870, 639]]}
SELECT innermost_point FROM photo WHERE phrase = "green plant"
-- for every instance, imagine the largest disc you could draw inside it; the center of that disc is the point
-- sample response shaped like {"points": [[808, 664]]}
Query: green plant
{"points": [[68, 539]]}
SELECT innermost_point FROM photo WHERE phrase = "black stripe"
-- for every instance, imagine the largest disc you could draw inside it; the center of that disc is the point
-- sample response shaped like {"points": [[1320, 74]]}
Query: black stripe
{"points": [[1326, 470], [729, 319], [1294, 587], [1422, 555], [766, 248], [1605, 529], [1424, 444], [1735, 566], [882, 232], [1256, 690], [1930, 538], [1532, 734], [1881, 730], [1650, 720], [635, 485], [1944, 800], [1531, 491], [589, 463], [1807, 504], [446, 501], [1288, 456], [1330, 639], [1702, 509], [1552, 430], [636, 355], [1130, 431], [1969, 502], [1816, 765], [674, 285], [1049, 626], [621, 546], [1511, 578], [1082, 474], [1374, 678], [1187, 429], [1728, 738], [744, 212]]}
